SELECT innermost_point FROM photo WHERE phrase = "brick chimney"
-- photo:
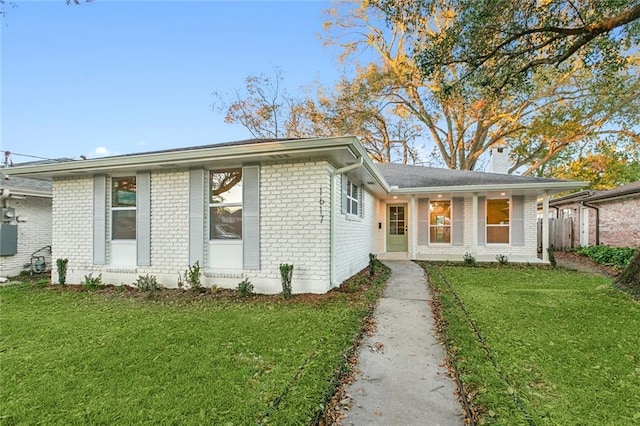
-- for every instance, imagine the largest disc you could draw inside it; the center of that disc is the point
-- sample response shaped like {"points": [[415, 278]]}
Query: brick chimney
{"points": [[499, 160]]}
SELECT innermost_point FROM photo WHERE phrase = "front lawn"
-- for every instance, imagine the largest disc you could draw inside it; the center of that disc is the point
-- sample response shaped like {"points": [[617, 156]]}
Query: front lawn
{"points": [[70, 357], [566, 345]]}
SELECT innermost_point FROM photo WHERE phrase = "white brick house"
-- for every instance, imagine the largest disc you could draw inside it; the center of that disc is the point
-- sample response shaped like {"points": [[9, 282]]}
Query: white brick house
{"points": [[25, 225], [241, 209]]}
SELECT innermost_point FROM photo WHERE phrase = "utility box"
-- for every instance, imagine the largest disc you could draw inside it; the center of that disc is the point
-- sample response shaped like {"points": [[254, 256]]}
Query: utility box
{"points": [[8, 239], [7, 214]]}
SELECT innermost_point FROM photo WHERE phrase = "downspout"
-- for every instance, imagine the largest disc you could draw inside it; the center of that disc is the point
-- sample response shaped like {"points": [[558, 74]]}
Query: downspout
{"points": [[331, 212], [597, 209]]}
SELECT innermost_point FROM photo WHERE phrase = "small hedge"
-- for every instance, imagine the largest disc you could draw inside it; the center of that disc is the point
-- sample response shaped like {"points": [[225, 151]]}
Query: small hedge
{"points": [[618, 257]]}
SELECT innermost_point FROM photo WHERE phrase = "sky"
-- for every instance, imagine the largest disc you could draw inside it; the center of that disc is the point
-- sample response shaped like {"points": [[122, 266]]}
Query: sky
{"points": [[115, 77]]}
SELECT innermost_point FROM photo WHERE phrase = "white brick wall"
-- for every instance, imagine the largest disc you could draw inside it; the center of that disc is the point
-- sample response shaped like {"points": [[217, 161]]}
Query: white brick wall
{"points": [[354, 237], [295, 225], [294, 228], [34, 233], [169, 224], [526, 253], [72, 225]]}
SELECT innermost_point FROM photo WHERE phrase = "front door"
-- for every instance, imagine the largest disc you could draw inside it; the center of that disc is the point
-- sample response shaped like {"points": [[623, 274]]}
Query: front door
{"points": [[397, 227], [584, 227]]}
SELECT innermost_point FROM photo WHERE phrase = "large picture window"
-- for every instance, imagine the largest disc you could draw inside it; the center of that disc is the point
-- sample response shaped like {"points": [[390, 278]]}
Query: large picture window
{"points": [[498, 221], [440, 222], [225, 205], [123, 208]]}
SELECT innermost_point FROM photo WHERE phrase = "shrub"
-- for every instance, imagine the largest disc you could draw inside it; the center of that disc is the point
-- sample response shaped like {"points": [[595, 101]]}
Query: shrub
{"points": [[92, 283], [502, 259], [373, 262], [192, 277], [245, 288], [286, 273], [552, 257], [147, 283], [618, 257], [469, 259], [62, 270]]}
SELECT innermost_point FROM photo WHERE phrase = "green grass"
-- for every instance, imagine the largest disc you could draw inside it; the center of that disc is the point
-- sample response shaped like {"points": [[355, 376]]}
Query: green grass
{"points": [[567, 343], [86, 358]]}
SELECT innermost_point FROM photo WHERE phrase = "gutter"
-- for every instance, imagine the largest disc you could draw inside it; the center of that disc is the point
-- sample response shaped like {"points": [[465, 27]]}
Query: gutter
{"points": [[332, 221], [607, 197], [597, 209], [489, 187], [184, 156]]}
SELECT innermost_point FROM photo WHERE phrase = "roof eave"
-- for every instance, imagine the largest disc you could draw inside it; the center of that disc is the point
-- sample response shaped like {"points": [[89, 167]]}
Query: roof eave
{"points": [[30, 193], [552, 187], [183, 157], [607, 197]]}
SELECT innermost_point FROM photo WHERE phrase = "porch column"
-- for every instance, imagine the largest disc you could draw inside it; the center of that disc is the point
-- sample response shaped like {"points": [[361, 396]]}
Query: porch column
{"points": [[545, 226], [474, 221], [413, 227]]}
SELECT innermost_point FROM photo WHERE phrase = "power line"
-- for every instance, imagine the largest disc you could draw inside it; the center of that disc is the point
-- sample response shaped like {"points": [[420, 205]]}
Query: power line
{"points": [[27, 155]]}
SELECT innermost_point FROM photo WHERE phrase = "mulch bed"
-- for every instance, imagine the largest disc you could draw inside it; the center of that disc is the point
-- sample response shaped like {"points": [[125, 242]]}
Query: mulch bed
{"points": [[581, 263]]}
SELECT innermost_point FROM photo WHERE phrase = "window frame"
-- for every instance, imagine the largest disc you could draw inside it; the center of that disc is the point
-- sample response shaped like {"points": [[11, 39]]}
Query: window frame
{"points": [[212, 205], [449, 226], [487, 224], [353, 200], [113, 208]]}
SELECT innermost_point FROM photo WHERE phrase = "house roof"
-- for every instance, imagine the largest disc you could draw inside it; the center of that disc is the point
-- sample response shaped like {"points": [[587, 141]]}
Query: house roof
{"points": [[344, 151], [432, 179], [25, 186], [629, 190]]}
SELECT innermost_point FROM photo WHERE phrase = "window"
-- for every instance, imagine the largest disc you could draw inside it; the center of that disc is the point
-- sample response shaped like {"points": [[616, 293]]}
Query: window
{"points": [[498, 221], [225, 205], [353, 198], [440, 221], [123, 208]]}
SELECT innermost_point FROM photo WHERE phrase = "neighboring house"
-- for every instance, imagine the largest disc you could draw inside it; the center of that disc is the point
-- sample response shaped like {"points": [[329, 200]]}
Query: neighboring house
{"points": [[610, 217], [241, 209], [25, 224]]}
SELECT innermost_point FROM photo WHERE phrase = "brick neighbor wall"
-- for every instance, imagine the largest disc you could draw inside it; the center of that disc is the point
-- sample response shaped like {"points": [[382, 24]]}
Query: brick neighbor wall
{"points": [[34, 233], [620, 222]]}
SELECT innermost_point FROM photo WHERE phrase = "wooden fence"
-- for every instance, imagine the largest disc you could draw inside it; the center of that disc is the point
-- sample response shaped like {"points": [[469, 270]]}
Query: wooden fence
{"points": [[560, 234]]}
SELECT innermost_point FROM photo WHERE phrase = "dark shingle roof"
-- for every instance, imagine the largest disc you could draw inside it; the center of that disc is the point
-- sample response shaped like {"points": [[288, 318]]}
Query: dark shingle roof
{"points": [[405, 176], [18, 183], [630, 189]]}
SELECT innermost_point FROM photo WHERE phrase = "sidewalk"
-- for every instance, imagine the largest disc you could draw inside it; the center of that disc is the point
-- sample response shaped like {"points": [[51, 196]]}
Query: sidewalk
{"points": [[401, 379]]}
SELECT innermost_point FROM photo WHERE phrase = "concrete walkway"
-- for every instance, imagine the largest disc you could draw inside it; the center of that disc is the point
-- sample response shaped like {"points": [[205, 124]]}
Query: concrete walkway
{"points": [[401, 379]]}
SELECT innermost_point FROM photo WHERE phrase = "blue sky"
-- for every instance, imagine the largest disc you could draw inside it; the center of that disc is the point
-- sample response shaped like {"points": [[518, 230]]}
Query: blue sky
{"points": [[115, 77]]}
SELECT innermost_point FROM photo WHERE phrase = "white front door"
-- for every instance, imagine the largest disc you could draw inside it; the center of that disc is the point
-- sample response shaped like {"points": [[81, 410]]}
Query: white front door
{"points": [[584, 227]]}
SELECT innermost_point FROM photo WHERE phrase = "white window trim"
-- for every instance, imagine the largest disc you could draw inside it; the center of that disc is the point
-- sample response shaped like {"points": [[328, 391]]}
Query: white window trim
{"points": [[350, 199], [450, 226], [113, 209], [486, 225], [236, 204]]}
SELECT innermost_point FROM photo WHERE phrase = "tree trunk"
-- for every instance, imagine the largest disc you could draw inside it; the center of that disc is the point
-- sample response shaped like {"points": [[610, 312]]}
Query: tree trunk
{"points": [[629, 280]]}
